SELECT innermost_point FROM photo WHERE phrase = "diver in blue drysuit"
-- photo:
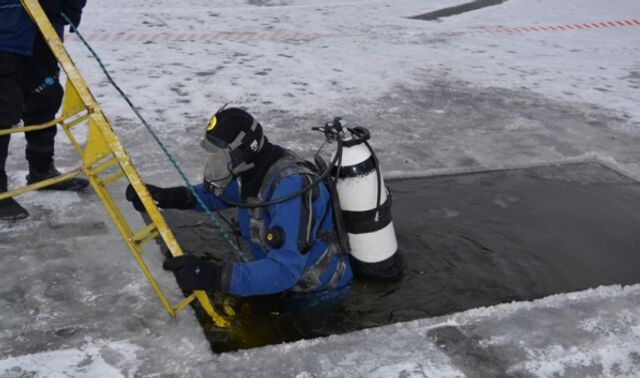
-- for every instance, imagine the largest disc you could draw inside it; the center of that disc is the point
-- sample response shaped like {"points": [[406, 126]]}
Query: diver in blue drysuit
{"points": [[293, 243]]}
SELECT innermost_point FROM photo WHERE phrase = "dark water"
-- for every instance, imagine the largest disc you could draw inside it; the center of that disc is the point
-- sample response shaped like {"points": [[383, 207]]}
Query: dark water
{"points": [[468, 241]]}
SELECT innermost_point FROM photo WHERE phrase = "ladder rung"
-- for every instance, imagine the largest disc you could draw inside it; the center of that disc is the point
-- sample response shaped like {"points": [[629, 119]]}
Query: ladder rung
{"points": [[97, 159], [79, 108], [144, 233], [76, 121], [107, 164], [151, 236], [108, 180], [184, 303], [40, 184]]}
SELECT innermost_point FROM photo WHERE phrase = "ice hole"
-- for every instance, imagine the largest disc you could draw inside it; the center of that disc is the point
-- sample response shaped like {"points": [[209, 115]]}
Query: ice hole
{"points": [[469, 240]]}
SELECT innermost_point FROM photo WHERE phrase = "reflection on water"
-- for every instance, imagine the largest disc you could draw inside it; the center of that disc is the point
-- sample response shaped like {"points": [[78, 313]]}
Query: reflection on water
{"points": [[468, 241]]}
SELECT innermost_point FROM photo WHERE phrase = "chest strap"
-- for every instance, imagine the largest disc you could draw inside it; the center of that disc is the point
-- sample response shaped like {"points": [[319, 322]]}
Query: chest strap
{"points": [[310, 279]]}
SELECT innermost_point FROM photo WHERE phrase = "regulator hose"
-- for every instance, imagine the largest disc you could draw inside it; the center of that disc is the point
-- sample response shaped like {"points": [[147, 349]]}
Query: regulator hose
{"points": [[318, 180]]}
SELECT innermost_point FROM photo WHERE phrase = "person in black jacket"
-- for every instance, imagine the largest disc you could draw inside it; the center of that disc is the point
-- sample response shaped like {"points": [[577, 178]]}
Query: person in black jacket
{"points": [[30, 92]]}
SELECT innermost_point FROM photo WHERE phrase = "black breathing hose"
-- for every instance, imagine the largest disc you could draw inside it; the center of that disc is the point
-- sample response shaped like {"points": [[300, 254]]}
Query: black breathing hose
{"points": [[318, 180]]}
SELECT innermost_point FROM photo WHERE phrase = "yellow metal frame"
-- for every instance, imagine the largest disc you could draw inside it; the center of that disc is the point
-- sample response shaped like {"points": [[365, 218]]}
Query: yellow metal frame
{"points": [[102, 151]]}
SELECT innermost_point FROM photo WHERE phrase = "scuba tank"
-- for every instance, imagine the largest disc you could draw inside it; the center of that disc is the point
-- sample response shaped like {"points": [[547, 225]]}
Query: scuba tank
{"points": [[362, 206]]}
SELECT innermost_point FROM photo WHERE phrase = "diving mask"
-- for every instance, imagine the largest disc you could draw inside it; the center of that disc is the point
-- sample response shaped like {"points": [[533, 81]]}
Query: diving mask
{"points": [[217, 175]]}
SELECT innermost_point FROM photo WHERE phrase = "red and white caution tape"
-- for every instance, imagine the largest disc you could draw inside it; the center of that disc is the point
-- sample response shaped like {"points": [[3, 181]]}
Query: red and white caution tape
{"points": [[546, 28], [302, 36]]}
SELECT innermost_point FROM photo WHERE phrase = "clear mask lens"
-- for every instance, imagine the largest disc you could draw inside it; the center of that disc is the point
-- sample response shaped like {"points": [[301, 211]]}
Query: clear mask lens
{"points": [[216, 169]]}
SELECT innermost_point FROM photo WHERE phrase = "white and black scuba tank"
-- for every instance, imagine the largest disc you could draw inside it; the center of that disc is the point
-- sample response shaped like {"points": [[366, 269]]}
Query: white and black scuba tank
{"points": [[365, 205]]}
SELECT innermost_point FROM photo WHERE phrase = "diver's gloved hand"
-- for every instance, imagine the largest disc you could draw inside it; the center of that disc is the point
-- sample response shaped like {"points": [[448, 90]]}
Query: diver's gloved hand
{"points": [[179, 197], [194, 273]]}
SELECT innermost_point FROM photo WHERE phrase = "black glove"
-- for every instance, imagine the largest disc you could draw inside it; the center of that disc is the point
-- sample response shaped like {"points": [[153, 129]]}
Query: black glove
{"points": [[179, 197], [75, 21], [73, 10], [194, 273]]}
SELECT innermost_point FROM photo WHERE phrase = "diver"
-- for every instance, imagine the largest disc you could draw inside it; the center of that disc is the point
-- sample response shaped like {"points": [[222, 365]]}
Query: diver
{"points": [[293, 242]]}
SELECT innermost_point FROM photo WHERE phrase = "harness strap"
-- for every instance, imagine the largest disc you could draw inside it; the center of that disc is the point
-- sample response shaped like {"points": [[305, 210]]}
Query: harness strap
{"points": [[288, 165], [329, 236], [337, 274], [257, 229], [310, 279]]}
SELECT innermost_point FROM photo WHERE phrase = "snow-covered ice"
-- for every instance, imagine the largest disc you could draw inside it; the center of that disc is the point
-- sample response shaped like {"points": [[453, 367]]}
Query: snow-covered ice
{"points": [[452, 95]]}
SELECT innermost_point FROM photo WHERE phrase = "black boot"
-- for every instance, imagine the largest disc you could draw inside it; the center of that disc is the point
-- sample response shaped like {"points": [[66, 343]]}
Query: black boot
{"points": [[74, 184], [10, 209]]}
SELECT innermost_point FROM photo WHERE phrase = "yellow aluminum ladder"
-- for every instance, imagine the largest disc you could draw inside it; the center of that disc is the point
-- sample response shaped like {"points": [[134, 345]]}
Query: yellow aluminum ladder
{"points": [[104, 160]]}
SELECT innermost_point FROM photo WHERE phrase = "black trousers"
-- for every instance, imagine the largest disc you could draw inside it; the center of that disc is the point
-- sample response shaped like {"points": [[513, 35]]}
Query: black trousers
{"points": [[30, 90]]}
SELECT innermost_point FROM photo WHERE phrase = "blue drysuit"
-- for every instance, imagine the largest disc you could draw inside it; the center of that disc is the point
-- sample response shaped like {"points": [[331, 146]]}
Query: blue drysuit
{"points": [[281, 268]]}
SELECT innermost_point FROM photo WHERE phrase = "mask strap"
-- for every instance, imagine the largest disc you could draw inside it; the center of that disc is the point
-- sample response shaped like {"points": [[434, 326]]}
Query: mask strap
{"points": [[242, 167]]}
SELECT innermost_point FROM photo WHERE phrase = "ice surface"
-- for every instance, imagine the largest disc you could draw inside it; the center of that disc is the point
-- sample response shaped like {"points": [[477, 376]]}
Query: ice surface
{"points": [[74, 304], [591, 333]]}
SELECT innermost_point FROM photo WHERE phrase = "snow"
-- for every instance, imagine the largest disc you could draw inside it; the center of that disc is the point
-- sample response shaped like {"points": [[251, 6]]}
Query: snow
{"points": [[84, 362], [439, 97]]}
